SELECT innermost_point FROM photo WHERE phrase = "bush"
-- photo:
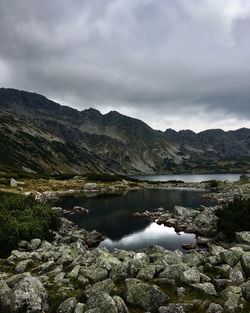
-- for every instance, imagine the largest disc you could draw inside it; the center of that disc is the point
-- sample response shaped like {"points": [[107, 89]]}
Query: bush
{"points": [[234, 217], [213, 183], [23, 218]]}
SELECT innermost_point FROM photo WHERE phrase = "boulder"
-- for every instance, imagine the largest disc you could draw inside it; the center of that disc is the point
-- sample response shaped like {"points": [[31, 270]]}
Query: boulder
{"points": [[145, 296], [231, 295], [190, 276], [206, 288], [176, 308], [94, 273], [243, 237], [214, 308], [67, 306], [245, 260], [29, 295], [34, 244], [106, 285], [121, 306], [90, 186], [102, 303], [22, 265], [80, 308]]}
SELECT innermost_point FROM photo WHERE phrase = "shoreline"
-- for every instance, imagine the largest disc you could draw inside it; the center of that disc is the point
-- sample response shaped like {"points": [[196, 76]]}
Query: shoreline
{"points": [[73, 274]]}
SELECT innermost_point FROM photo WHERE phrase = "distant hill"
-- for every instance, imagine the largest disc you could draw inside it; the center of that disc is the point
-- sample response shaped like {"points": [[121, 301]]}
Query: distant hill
{"points": [[41, 136]]}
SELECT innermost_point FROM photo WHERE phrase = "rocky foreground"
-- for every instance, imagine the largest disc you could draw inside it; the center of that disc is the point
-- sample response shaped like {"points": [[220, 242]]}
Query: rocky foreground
{"points": [[69, 276]]}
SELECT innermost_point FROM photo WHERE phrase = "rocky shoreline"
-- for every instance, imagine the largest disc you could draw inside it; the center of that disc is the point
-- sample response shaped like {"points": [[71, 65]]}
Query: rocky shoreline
{"points": [[73, 275], [69, 275]]}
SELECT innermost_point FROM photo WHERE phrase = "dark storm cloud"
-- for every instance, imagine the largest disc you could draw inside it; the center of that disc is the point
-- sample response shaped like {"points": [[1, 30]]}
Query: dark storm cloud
{"points": [[172, 63]]}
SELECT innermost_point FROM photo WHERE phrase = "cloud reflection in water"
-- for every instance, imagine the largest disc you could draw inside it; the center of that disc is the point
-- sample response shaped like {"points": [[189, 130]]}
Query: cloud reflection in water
{"points": [[153, 234]]}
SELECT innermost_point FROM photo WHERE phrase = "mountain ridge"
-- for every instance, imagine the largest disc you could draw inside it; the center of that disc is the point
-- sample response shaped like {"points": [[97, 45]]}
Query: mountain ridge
{"points": [[42, 136]]}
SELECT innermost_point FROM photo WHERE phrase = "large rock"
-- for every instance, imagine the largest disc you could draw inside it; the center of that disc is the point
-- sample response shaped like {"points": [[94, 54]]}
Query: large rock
{"points": [[206, 288], [67, 306], [245, 260], [106, 285], [94, 273], [231, 295], [22, 265], [243, 237], [4, 296], [103, 303], [90, 186], [190, 276], [29, 295], [145, 296], [34, 244]]}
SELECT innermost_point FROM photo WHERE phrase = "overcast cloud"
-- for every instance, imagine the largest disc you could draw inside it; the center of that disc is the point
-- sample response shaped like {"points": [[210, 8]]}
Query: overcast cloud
{"points": [[180, 64]]}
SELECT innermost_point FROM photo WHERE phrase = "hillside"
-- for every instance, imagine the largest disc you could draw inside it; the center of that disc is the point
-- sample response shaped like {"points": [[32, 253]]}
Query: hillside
{"points": [[41, 136]]}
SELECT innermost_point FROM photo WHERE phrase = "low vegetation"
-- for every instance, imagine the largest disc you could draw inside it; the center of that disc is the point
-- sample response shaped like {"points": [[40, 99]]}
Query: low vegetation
{"points": [[23, 218], [234, 217]]}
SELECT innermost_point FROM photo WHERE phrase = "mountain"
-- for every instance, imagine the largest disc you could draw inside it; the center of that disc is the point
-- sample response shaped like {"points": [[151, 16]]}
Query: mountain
{"points": [[42, 136]]}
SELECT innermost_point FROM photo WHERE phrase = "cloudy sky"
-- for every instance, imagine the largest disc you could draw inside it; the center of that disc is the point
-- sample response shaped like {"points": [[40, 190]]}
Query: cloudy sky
{"points": [[179, 64]]}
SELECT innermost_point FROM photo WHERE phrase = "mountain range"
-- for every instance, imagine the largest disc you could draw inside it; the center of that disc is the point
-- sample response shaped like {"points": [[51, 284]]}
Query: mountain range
{"points": [[38, 135]]}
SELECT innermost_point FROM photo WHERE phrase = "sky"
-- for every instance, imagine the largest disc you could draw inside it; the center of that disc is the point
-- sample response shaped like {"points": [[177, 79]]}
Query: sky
{"points": [[182, 64]]}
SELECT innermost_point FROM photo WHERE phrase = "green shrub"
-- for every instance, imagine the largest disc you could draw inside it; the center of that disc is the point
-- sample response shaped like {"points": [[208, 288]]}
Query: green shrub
{"points": [[23, 218], [213, 183], [234, 217]]}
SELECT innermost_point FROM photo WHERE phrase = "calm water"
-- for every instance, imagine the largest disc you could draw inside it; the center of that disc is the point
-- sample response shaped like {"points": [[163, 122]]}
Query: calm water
{"points": [[192, 178], [112, 216]]}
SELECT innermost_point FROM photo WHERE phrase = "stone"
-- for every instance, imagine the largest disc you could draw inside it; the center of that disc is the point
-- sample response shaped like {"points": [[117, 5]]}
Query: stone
{"points": [[190, 276], [83, 281], [29, 295], [231, 296], [4, 296], [206, 288], [245, 260], [215, 250], [94, 273], [23, 244], [146, 273], [145, 296], [22, 265], [243, 237], [120, 304], [74, 272], [90, 186], [106, 285], [47, 266], [103, 302], [230, 257], [80, 308], [175, 308], [34, 244], [67, 306], [193, 258], [13, 182], [174, 271], [214, 308], [12, 280]]}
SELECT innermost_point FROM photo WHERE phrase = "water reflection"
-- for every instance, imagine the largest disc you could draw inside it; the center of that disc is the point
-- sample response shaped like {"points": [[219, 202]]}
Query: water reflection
{"points": [[113, 215], [192, 178], [153, 234]]}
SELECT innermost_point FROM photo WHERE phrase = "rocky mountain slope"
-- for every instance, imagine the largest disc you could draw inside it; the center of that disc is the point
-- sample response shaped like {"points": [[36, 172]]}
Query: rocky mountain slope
{"points": [[39, 135]]}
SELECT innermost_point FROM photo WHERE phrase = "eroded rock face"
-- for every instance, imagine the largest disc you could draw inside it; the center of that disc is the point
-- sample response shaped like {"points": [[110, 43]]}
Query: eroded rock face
{"points": [[29, 295]]}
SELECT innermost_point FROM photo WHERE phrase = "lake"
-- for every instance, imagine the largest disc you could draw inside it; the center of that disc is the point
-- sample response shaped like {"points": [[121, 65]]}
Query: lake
{"points": [[190, 178], [113, 216]]}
